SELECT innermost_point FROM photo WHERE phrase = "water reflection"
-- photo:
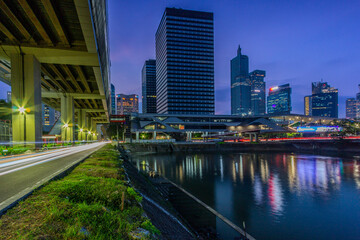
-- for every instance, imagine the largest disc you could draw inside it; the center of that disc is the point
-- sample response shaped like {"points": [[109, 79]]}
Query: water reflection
{"points": [[271, 190]]}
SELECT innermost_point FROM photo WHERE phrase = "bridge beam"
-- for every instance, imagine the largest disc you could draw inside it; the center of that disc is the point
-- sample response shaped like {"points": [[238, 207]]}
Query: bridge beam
{"points": [[26, 99]]}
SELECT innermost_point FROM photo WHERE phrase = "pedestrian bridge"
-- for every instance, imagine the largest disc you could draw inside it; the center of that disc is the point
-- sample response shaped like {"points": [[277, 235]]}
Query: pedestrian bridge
{"points": [[55, 52]]}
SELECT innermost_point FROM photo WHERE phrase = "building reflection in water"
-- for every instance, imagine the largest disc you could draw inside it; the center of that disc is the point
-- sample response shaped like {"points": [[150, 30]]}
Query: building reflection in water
{"points": [[239, 181]]}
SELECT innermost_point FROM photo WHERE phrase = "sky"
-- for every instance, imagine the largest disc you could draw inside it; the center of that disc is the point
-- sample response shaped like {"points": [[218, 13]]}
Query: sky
{"points": [[296, 42]]}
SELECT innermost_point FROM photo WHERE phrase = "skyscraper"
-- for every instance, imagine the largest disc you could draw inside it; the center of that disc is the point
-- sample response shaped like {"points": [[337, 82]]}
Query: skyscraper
{"points": [[149, 86], [48, 117], [351, 105], [279, 100], [257, 92], [324, 100], [308, 105], [127, 103], [8, 97], [240, 85], [113, 102], [185, 62]]}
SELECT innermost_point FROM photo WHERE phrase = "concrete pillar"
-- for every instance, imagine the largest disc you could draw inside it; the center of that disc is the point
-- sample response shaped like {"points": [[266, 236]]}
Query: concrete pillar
{"points": [[88, 129], [154, 135], [137, 135], [94, 130], [82, 125], [67, 118], [26, 100], [256, 137], [251, 137]]}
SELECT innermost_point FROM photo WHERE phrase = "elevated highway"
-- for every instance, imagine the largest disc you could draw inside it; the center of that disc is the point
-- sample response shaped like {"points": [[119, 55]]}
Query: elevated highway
{"points": [[56, 52]]}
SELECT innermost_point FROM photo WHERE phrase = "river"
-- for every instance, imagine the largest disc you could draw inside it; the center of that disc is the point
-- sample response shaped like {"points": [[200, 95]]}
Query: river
{"points": [[277, 195]]}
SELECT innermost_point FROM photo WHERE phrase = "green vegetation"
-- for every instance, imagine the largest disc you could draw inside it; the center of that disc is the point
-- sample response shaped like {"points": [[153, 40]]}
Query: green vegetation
{"points": [[5, 150], [92, 202]]}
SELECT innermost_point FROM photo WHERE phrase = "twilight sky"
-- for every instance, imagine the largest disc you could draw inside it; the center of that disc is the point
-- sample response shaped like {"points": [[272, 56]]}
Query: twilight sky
{"points": [[295, 42]]}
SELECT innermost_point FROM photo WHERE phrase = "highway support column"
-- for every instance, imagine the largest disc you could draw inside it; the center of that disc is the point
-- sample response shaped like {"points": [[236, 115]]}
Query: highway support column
{"points": [[67, 118], [26, 100], [82, 125]]}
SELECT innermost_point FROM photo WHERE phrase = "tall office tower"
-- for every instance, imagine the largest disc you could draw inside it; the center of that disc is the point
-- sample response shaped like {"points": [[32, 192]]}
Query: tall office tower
{"points": [[279, 100], [324, 100], [149, 87], [127, 104], [48, 117], [185, 62], [351, 105], [113, 102], [308, 105], [240, 85], [257, 92], [358, 94], [8, 97]]}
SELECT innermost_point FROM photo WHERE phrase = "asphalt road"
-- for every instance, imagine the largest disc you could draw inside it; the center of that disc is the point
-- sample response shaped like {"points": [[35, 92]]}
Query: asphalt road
{"points": [[19, 176]]}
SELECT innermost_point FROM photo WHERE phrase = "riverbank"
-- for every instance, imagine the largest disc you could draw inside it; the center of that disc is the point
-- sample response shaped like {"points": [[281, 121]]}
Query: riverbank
{"points": [[93, 201], [328, 147]]}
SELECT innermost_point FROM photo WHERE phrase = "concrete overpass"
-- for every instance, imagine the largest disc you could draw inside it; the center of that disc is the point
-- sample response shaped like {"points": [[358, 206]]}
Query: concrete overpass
{"points": [[56, 52]]}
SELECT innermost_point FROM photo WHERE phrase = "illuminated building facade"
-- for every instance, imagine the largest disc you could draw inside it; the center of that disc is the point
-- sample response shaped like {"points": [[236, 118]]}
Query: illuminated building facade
{"points": [[113, 102], [257, 92], [307, 106], [185, 62], [48, 117], [279, 100], [149, 87], [127, 104], [324, 100], [240, 85], [351, 105]]}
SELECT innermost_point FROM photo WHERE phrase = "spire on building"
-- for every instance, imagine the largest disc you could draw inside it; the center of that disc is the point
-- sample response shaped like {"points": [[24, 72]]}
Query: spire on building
{"points": [[239, 50]]}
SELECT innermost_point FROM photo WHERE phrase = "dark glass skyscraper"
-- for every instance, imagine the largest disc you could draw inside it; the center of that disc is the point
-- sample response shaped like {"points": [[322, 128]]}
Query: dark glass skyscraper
{"points": [[185, 62], [149, 86], [240, 85], [324, 100], [279, 100], [257, 92]]}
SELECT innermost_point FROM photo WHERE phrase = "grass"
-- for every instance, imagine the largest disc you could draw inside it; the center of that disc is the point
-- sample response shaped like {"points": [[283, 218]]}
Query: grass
{"points": [[84, 205]]}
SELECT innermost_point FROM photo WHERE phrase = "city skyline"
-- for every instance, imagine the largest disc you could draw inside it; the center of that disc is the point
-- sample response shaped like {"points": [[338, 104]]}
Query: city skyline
{"points": [[291, 41], [266, 41]]}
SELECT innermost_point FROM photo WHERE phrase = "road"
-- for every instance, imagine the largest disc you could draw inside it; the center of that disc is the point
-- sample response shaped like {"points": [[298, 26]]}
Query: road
{"points": [[20, 175]]}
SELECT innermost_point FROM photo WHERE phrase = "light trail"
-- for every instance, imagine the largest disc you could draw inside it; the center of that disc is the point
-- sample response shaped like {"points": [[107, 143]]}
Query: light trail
{"points": [[16, 164]]}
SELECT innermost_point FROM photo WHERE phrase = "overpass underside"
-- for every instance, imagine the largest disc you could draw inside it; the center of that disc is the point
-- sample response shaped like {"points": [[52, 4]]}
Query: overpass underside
{"points": [[56, 52]]}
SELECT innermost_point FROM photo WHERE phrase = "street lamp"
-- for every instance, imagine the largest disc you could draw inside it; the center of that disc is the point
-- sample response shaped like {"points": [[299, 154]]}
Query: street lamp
{"points": [[21, 110]]}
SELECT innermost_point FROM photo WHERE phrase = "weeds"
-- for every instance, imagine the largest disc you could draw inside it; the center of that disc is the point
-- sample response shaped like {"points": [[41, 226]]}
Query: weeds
{"points": [[83, 205]]}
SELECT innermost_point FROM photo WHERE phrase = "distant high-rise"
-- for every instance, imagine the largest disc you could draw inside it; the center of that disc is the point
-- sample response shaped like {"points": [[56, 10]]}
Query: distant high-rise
{"points": [[113, 102], [127, 103], [351, 105], [324, 100], [240, 85], [257, 92], [48, 117], [149, 87], [308, 105], [279, 100], [8, 97], [185, 62]]}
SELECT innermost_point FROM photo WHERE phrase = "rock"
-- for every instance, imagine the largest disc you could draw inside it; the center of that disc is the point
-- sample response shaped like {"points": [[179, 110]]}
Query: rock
{"points": [[140, 233]]}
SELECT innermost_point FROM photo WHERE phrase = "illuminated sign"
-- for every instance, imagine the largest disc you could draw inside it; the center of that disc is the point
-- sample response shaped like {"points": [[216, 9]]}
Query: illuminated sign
{"points": [[318, 129], [274, 88], [117, 118]]}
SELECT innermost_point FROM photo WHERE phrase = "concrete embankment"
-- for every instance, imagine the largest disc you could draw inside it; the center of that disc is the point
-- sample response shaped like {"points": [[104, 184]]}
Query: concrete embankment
{"points": [[339, 147]]}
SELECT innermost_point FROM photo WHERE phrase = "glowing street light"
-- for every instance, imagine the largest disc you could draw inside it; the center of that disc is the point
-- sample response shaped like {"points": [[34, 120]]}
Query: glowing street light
{"points": [[89, 132], [66, 125], [81, 130], [22, 110]]}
